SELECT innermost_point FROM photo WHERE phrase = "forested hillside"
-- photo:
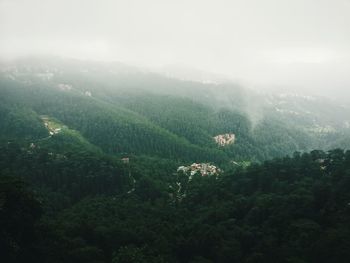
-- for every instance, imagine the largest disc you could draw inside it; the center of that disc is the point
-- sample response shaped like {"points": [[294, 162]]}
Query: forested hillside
{"points": [[123, 110], [102, 162], [285, 210]]}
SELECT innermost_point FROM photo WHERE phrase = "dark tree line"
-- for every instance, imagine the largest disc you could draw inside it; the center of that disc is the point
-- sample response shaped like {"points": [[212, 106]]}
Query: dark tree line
{"points": [[294, 209]]}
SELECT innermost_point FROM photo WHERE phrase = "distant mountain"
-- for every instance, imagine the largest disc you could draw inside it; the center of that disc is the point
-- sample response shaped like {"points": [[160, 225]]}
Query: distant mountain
{"points": [[124, 110], [103, 162]]}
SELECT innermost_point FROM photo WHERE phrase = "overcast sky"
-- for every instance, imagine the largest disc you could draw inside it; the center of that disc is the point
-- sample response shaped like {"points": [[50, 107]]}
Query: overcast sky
{"points": [[300, 44]]}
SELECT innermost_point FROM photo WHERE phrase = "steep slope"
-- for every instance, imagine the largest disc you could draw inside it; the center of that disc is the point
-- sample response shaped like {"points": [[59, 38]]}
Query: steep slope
{"points": [[18, 122], [114, 129], [124, 110]]}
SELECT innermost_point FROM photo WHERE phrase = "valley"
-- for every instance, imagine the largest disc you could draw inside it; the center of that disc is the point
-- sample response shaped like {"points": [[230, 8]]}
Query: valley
{"points": [[109, 163]]}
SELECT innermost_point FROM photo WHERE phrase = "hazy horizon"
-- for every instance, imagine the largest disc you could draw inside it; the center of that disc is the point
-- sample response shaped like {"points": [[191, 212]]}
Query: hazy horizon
{"points": [[301, 46]]}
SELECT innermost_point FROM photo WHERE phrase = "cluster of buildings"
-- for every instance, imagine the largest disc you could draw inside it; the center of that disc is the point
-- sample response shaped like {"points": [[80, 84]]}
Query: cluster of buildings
{"points": [[88, 93], [125, 160], [225, 139], [64, 87], [51, 129], [205, 169]]}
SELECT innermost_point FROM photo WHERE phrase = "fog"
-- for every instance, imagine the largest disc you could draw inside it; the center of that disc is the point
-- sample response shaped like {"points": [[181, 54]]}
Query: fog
{"points": [[299, 45]]}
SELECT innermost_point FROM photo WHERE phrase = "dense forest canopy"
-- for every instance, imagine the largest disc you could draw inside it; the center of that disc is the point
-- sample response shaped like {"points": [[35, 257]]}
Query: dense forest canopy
{"points": [[108, 163], [82, 210]]}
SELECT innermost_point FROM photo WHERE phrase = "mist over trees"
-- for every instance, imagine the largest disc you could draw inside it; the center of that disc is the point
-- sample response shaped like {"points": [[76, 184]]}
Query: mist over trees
{"points": [[90, 158], [174, 131]]}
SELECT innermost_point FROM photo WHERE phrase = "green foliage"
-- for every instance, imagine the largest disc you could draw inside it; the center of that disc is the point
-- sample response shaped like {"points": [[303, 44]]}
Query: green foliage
{"points": [[75, 174], [19, 213], [294, 209], [86, 205], [141, 122], [19, 123]]}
